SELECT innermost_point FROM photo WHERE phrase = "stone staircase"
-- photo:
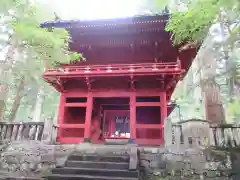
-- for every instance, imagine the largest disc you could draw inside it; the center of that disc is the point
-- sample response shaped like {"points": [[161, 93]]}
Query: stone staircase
{"points": [[107, 166]]}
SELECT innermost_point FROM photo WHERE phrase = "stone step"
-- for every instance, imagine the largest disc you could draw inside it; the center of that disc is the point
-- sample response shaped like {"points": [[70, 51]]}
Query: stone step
{"points": [[85, 177], [116, 141], [21, 178], [96, 172], [98, 158], [99, 165]]}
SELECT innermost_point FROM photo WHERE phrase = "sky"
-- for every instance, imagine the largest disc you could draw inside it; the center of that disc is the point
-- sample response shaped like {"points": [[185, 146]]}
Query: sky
{"points": [[89, 9], [93, 9]]}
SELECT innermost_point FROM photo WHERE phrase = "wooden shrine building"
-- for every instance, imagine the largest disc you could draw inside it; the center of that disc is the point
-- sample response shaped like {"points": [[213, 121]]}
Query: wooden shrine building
{"points": [[123, 89]]}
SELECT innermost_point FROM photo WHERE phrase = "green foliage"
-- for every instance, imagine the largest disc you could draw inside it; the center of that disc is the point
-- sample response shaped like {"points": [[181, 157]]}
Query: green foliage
{"points": [[35, 48], [50, 46], [190, 22], [193, 23], [196, 24], [233, 109]]}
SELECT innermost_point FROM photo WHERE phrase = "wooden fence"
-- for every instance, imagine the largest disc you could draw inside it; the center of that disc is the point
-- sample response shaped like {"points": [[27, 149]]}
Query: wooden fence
{"points": [[206, 134], [189, 133], [42, 131]]}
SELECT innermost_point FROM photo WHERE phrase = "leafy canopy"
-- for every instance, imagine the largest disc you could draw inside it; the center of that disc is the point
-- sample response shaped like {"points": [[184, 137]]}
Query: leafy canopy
{"points": [[34, 48], [24, 18], [190, 20]]}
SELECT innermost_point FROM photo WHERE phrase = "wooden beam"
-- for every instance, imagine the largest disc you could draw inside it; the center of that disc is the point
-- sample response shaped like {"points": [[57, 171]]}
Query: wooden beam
{"points": [[117, 74], [76, 105], [61, 113], [132, 81], [163, 99], [89, 86], [162, 82], [148, 104], [88, 117], [104, 93], [77, 126], [56, 85], [149, 126], [133, 122]]}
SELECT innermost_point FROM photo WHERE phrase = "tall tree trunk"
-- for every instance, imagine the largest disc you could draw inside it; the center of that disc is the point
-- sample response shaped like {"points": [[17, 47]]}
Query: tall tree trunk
{"points": [[214, 110], [5, 73], [227, 47], [38, 105], [17, 100], [188, 82], [3, 98]]}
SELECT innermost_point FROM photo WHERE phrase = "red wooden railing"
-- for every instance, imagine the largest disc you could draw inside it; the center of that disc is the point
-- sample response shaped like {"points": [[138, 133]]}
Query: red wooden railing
{"points": [[117, 68]]}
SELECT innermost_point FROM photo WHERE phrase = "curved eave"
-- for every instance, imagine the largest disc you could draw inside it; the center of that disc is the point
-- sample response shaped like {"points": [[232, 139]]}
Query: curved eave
{"points": [[99, 22], [170, 108]]}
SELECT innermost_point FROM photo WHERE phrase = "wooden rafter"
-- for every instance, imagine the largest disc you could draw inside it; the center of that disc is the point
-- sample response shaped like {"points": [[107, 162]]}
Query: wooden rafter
{"points": [[56, 84], [89, 86], [189, 45], [132, 83], [162, 82]]}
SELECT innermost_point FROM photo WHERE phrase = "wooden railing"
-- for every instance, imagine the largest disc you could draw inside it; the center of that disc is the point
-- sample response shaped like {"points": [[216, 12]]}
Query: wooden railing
{"points": [[19, 131], [220, 136], [198, 135], [42, 131], [169, 67], [225, 135]]}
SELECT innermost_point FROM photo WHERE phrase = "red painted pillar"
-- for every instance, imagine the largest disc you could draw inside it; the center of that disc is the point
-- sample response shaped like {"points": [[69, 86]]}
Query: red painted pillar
{"points": [[88, 117], [163, 99], [61, 108], [132, 122]]}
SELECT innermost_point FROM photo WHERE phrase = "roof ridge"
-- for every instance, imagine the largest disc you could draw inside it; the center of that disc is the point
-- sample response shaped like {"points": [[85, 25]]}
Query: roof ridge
{"points": [[122, 20]]}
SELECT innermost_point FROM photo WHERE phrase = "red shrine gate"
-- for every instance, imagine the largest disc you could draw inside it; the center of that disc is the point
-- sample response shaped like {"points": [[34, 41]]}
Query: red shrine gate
{"points": [[79, 127], [123, 89]]}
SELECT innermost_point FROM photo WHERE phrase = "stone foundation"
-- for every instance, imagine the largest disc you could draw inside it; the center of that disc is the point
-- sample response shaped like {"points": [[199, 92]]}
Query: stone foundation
{"points": [[31, 158], [175, 164], [34, 158]]}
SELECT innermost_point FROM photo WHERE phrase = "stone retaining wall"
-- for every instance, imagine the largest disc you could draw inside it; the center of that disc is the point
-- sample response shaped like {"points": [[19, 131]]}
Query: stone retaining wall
{"points": [[34, 158], [31, 158], [173, 164]]}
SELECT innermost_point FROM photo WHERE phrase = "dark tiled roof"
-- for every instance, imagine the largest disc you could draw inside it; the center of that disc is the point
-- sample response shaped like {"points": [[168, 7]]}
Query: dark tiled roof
{"points": [[102, 22]]}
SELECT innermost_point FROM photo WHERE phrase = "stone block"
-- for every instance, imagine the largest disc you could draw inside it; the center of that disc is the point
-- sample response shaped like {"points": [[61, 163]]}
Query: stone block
{"points": [[133, 162], [87, 140], [48, 158], [175, 166], [199, 166], [158, 164]]}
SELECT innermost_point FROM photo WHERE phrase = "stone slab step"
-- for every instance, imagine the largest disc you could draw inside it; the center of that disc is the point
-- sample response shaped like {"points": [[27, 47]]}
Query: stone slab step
{"points": [[98, 158], [116, 141], [22, 178], [100, 165], [85, 177], [96, 172]]}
